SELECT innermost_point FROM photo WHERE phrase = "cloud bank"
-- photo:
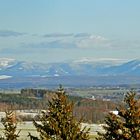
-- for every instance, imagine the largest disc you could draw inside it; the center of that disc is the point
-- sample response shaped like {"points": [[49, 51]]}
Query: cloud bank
{"points": [[8, 33], [65, 46], [79, 40], [57, 35]]}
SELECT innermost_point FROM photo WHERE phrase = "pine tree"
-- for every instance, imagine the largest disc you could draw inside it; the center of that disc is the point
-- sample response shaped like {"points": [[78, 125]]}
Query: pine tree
{"points": [[58, 122], [125, 125], [10, 125]]}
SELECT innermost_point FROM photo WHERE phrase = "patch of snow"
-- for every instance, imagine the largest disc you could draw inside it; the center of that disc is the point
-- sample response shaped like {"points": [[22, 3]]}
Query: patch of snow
{"points": [[56, 75], [20, 68], [4, 77], [44, 76], [136, 67], [114, 112], [62, 70]]}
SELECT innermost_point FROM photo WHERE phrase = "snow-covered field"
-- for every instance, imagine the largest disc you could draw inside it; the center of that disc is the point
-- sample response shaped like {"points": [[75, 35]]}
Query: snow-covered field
{"points": [[26, 127]]}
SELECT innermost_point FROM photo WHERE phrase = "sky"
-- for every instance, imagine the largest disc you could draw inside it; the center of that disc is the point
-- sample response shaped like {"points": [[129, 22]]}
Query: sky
{"points": [[61, 30]]}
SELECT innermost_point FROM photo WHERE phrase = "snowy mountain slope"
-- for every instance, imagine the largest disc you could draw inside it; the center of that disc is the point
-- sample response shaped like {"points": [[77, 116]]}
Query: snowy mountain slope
{"points": [[14, 68]]}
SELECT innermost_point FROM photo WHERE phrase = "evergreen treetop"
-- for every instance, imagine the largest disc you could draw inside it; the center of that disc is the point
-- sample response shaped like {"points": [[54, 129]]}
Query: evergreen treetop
{"points": [[125, 125], [58, 121]]}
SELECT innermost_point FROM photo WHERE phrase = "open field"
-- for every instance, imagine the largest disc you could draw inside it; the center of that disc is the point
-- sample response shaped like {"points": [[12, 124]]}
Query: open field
{"points": [[109, 94], [26, 127]]}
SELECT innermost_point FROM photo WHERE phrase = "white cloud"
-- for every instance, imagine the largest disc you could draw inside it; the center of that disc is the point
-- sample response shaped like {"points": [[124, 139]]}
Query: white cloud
{"points": [[93, 41]]}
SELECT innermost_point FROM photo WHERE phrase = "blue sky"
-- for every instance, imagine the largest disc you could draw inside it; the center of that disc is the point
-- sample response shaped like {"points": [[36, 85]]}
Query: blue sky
{"points": [[61, 30]]}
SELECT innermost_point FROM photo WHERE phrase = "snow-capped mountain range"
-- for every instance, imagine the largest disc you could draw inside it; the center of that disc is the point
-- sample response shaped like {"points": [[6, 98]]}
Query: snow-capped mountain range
{"points": [[12, 68]]}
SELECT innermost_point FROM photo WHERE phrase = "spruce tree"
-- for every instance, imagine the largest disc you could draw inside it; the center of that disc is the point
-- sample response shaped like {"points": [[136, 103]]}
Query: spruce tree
{"points": [[125, 125], [58, 122], [10, 125]]}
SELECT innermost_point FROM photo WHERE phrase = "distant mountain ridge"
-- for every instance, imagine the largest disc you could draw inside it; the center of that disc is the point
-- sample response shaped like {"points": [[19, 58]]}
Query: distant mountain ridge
{"points": [[14, 68]]}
